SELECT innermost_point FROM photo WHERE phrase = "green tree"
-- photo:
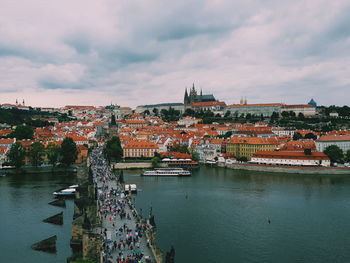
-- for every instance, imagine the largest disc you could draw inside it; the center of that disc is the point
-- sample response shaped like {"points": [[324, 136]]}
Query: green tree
{"points": [[155, 111], [227, 114], [228, 134], [189, 112], [155, 160], [347, 156], [53, 152], [195, 156], [179, 148], [297, 136], [16, 155], [311, 136], [334, 153], [285, 114], [36, 154], [242, 159], [274, 116], [301, 116], [68, 151], [113, 149], [22, 132]]}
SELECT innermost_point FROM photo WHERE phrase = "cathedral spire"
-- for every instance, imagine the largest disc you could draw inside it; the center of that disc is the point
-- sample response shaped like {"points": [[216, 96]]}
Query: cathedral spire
{"points": [[186, 97]]}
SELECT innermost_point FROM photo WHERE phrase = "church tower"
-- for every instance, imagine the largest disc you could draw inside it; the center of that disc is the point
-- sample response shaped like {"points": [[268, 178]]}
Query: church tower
{"points": [[186, 97], [193, 95]]}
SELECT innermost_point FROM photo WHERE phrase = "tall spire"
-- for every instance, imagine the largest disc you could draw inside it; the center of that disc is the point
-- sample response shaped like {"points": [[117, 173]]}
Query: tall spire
{"points": [[186, 97], [16, 102]]}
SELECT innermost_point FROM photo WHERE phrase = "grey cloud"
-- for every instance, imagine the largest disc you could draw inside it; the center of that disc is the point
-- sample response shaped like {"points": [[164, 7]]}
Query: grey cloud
{"points": [[79, 42], [52, 84], [187, 31]]}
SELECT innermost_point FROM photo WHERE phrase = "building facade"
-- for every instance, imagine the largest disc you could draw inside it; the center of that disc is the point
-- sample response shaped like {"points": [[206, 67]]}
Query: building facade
{"points": [[137, 149], [247, 146], [291, 158], [164, 106], [265, 110], [342, 141], [305, 109]]}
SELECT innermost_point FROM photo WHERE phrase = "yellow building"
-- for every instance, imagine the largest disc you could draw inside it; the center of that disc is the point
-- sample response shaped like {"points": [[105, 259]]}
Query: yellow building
{"points": [[247, 146]]}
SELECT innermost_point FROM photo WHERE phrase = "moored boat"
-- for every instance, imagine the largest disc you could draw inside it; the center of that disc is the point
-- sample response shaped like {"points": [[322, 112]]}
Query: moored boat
{"points": [[66, 192], [167, 172], [70, 192], [130, 188]]}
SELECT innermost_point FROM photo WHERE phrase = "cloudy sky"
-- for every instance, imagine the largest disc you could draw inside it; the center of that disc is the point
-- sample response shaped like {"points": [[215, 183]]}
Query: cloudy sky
{"points": [[94, 52]]}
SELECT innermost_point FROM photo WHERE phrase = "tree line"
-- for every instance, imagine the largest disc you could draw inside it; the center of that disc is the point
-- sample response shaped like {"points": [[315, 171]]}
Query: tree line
{"points": [[66, 154], [337, 155]]}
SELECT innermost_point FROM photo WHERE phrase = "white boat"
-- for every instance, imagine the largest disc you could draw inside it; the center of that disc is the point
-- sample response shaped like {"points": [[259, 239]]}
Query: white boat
{"points": [[167, 172], [69, 192], [130, 188]]}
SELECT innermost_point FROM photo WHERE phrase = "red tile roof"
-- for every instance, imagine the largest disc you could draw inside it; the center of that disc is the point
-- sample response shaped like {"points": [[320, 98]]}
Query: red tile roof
{"points": [[298, 106], [254, 140], [256, 105], [7, 141], [208, 103], [330, 138], [140, 145]]}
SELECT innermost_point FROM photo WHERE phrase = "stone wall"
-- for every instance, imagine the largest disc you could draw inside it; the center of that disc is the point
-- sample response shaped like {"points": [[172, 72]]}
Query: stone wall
{"points": [[132, 165], [290, 169], [84, 242]]}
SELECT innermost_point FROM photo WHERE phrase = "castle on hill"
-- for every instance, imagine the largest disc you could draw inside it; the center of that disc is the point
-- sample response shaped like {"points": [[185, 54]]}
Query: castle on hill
{"points": [[193, 97]]}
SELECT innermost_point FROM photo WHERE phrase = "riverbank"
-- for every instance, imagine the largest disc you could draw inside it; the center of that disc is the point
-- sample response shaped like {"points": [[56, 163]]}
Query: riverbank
{"points": [[140, 165], [288, 169]]}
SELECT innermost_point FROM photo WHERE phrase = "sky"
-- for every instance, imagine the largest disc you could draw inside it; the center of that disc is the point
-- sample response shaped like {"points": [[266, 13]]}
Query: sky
{"points": [[98, 52]]}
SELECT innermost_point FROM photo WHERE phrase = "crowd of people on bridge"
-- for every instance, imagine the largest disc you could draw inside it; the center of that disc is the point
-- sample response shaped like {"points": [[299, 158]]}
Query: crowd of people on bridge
{"points": [[123, 232]]}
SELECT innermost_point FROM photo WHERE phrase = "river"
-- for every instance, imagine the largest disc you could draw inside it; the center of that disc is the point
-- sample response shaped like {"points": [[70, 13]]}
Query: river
{"points": [[221, 215], [218, 215], [23, 205]]}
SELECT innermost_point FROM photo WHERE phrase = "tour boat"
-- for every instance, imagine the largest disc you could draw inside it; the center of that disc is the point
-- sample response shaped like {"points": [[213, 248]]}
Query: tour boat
{"points": [[167, 172]]}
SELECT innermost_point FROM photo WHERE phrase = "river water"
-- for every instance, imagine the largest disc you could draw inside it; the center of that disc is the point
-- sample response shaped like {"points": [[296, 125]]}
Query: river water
{"points": [[23, 205], [217, 215], [221, 215]]}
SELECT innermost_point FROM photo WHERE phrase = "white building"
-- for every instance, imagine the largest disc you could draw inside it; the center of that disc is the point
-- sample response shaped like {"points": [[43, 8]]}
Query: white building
{"points": [[164, 106], [188, 121], [254, 109], [305, 109], [290, 158], [342, 141], [279, 131], [206, 152]]}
